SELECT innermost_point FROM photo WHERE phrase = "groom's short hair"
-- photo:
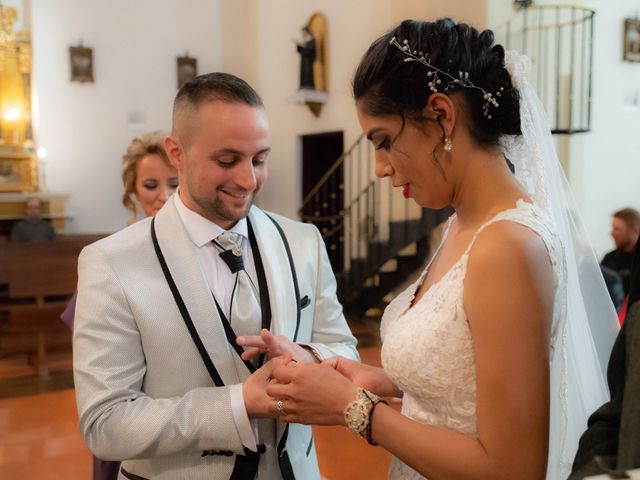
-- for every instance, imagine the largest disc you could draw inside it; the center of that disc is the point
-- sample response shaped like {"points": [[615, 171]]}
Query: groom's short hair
{"points": [[210, 87]]}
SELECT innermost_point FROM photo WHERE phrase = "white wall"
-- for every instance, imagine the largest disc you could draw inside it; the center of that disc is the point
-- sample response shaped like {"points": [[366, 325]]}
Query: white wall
{"points": [[603, 166], [610, 155], [86, 127], [352, 27]]}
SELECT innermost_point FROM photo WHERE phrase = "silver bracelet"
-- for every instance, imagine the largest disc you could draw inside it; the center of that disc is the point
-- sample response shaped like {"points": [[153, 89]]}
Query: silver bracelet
{"points": [[356, 414]]}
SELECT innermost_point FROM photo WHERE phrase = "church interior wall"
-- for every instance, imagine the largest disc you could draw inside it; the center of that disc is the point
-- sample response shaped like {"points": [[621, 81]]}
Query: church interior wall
{"points": [[608, 162], [352, 27], [602, 165], [86, 127]]}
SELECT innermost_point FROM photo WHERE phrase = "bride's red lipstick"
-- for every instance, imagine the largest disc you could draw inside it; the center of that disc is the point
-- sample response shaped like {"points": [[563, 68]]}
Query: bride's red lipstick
{"points": [[406, 190]]}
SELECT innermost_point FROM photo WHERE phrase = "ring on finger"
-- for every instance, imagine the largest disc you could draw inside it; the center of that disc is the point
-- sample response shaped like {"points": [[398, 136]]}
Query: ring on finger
{"points": [[280, 407]]}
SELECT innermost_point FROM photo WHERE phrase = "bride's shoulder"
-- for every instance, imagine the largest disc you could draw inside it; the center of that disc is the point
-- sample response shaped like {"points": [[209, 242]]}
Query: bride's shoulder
{"points": [[508, 246], [509, 263]]}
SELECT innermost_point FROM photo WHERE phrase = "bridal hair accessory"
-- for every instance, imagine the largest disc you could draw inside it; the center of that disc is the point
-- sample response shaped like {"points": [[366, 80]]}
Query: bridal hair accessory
{"points": [[358, 413], [434, 73]]}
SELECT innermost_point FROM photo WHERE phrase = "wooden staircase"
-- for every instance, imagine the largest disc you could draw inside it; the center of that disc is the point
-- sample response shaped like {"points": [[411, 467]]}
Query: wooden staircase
{"points": [[376, 241], [388, 265]]}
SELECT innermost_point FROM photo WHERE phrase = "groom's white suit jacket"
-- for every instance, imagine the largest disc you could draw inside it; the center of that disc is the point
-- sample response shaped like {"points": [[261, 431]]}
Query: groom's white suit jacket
{"points": [[143, 392]]}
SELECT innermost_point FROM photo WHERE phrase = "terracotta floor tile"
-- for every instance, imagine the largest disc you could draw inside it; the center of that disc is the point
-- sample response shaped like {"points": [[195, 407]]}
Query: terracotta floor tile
{"points": [[39, 439]]}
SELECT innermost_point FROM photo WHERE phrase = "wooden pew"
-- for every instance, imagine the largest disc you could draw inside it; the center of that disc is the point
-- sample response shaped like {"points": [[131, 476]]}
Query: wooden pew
{"points": [[36, 283]]}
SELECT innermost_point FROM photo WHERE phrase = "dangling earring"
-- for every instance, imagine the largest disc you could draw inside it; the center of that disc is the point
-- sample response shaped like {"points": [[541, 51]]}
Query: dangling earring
{"points": [[448, 145]]}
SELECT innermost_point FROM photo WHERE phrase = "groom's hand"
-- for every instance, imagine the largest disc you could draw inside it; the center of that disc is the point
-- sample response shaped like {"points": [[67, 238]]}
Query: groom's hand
{"points": [[273, 346], [254, 390]]}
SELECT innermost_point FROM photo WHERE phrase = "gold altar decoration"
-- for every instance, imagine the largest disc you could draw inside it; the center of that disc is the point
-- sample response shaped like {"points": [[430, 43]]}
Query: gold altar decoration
{"points": [[18, 163]]}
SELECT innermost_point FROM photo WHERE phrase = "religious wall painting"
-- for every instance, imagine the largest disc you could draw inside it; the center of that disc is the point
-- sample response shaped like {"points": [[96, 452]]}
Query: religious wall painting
{"points": [[187, 68], [81, 61], [631, 40], [18, 173]]}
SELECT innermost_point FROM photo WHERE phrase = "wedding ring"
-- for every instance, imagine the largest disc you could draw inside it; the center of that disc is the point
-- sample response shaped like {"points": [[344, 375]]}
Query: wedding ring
{"points": [[280, 407]]}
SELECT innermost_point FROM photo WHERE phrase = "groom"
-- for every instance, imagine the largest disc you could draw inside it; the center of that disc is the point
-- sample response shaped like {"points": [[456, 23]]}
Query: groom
{"points": [[159, 377]]}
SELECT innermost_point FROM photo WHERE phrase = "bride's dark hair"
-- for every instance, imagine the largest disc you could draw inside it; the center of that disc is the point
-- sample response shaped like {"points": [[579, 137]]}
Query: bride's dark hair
{"points": [[385, 84]]}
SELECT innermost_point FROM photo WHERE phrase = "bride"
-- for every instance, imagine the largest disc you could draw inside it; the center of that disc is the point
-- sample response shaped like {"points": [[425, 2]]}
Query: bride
{"points": [[491, 349]]}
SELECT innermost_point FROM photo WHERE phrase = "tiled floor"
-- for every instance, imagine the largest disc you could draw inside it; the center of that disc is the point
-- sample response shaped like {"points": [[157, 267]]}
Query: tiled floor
{"points": [[39, 439]]}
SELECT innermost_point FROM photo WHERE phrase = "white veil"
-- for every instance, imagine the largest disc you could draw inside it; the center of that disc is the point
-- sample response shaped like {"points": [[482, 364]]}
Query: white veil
{"points": [[585, 325]]}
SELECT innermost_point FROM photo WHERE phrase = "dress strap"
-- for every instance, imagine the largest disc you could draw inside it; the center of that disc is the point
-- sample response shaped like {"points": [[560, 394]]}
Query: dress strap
{"points": [[445, 234], [445, 230], [522, 214]]}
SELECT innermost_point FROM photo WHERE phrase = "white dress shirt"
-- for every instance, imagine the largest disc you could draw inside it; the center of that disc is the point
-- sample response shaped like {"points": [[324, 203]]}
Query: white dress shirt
{"points": [[202, 231]]}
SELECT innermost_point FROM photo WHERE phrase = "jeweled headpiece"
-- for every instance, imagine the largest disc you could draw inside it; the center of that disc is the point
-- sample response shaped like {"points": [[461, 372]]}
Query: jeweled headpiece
{"points": [[436, 82]]}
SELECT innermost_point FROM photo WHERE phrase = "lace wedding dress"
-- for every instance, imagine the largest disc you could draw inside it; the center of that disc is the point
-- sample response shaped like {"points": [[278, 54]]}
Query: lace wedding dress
{"points": [[427, 348]]}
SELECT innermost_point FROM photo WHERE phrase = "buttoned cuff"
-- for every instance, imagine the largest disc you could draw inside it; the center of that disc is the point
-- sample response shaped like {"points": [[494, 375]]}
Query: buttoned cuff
{"points": [[317, 354]]}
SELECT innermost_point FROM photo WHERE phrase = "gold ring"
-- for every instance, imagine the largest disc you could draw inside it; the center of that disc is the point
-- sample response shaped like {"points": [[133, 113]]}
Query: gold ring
{"points": [[280, 407]]}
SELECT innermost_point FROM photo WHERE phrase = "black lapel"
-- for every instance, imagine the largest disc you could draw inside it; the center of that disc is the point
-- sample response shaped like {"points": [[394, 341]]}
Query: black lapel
{"points": [[232, 337], [283, 456], [265, 303], [215, 376], [245, 466], [294, 276]]}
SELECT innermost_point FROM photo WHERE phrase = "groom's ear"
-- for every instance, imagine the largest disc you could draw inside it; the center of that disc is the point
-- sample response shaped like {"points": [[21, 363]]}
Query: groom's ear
{"points": [[174, 152]]}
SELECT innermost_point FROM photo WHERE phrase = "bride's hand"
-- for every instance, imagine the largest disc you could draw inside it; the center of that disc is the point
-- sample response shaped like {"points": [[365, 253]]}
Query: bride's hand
{"points": [[311, 394], [273, 346], [366, 376]]}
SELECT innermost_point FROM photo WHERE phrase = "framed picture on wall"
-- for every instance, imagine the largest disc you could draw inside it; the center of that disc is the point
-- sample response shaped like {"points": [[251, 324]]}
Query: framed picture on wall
{"points": [[18, 172], [81, 60], [632, 40], [187, 69]]}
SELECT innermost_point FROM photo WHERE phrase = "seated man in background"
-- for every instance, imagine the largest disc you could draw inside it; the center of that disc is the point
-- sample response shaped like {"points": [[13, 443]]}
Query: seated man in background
{"points": [[612, 440], [33, 228], [625, 229], [615, 286]]}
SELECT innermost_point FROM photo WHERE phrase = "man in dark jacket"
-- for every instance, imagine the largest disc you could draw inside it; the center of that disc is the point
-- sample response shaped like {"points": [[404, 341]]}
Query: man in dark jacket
{"points": [[625, 230], [612, 439]]}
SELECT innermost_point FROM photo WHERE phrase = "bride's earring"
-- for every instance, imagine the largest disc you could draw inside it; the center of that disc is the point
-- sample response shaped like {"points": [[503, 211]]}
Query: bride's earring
{"points": [[448, 144]]}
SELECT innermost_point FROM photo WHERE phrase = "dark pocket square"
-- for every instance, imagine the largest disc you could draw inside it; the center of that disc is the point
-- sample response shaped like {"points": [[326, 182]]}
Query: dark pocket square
{"points": [[304, 302]]}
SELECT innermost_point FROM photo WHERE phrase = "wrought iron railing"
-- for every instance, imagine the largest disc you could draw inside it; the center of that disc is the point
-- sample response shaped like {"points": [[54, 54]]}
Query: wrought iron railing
{"points": [[559, 41], [363, 220]]}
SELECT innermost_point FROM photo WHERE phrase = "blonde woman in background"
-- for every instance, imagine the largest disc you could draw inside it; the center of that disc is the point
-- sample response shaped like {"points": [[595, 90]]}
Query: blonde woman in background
{"points": [[149, 179]]}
